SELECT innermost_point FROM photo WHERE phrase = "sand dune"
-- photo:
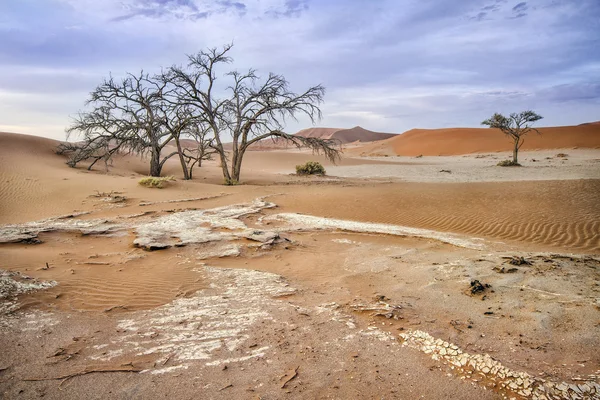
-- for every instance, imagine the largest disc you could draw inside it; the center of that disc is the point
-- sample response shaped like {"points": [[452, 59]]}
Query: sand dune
{"points": [[548, 214], [356, 134], [453, 141], [103, 273], [341, 136], [322, 133], [342, 251]]}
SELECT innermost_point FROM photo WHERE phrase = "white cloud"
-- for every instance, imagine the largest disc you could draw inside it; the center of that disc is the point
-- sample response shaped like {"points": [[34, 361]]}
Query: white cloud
{"points": [[388, 65]]}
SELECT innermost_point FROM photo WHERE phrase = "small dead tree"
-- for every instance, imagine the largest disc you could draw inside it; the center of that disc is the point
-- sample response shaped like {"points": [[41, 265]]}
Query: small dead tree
{"points": [[251, 112], [516, 126], [201, 150], [125, 115], [177, 120], [96, 149]]}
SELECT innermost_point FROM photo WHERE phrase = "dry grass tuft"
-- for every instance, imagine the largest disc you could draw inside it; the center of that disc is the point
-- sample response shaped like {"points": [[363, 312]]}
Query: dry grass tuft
{"points": [[156, 182]]}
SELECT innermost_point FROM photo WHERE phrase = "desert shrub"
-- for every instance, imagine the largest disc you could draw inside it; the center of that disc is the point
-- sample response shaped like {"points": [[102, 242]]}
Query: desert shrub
{"points": [[310, 168], [562, 155], [508, 163], [155, 182]]}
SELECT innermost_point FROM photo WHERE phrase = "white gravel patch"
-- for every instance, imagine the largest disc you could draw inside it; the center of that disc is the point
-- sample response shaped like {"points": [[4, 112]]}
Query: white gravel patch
{"points": [[579, 164]]}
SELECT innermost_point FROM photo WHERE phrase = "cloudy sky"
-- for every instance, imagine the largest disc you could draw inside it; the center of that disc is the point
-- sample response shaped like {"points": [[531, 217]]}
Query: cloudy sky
{"points": [[388, 65]]}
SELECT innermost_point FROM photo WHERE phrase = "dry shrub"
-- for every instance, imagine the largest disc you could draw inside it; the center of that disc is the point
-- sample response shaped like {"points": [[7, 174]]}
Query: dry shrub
{"points": [[508, 163], [155, 182], [310, 168]]}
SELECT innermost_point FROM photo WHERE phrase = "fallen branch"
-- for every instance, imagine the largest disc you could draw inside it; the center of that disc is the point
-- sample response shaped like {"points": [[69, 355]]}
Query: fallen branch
{"points": [[226, 387], [535, 290], [380, 309], [149, 203], [109, 309], [289, 376], [87, 370], [94, 263]]}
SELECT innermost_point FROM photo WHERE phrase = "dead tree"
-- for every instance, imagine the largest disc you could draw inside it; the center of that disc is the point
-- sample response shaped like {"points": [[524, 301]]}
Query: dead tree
{"points": [[94, 150], [252, 111], [128, 115], [177, 121], [201, 150], [516, 126]]}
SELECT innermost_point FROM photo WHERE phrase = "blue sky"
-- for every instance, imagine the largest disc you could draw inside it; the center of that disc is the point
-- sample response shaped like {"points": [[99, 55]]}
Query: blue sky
{"points": [[387, 65]]}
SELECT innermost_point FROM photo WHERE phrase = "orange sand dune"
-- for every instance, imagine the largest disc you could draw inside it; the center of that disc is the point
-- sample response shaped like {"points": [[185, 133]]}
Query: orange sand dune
{"points": [[118, 308], [453, 141]]}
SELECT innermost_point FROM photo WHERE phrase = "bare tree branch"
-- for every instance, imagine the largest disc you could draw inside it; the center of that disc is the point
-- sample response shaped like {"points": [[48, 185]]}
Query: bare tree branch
{"points": [[252, 111], [125, 114]]}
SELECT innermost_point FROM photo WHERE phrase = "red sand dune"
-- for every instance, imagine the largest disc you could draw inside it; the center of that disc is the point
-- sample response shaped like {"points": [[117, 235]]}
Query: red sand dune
{"points": [[453, 141]]}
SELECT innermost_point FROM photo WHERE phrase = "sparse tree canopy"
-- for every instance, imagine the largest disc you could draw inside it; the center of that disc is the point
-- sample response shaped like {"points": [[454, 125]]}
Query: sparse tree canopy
{"points": [[201, 150], [517, 125], [143, 114], [251, 111], [132, 115], [129, 114]]}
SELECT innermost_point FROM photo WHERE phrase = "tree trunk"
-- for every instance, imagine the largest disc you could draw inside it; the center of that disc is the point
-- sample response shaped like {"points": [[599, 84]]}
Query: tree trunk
{"points": [[226, 175], [236, 166], [191, 169], [155, 165], [186, 174], [516, 151]]}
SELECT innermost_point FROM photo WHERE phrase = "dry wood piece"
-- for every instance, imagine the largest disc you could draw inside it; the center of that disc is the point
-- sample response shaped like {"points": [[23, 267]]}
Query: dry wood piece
{"points": [[519, 261], [478, 287], [225, 387], [150, 203], [88, 370], [291, 374], [109, 309], [380, 309]]}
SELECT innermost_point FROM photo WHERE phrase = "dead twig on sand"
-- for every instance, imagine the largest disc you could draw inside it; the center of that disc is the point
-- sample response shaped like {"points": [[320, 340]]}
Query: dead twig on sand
{"points": [[85, 371], [287, 378], [533, 289], [95, 263], [150, 203], [380, 309], [455, 324], [109, 309], [225, 387]]}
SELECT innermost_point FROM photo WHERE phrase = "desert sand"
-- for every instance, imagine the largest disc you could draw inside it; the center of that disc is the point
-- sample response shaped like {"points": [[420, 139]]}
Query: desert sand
{"points": [[390, 277]]}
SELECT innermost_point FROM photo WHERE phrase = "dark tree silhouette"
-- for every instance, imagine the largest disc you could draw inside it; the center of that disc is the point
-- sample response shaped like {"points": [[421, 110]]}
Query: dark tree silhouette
{"points": [[127, 115], [251, 111], [201, 150], [516, 126]]}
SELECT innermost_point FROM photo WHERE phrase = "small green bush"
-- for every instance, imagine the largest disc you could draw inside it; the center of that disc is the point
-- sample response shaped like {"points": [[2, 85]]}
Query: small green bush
{"points": [[310, 168], [508, 163], [155, 182]]}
